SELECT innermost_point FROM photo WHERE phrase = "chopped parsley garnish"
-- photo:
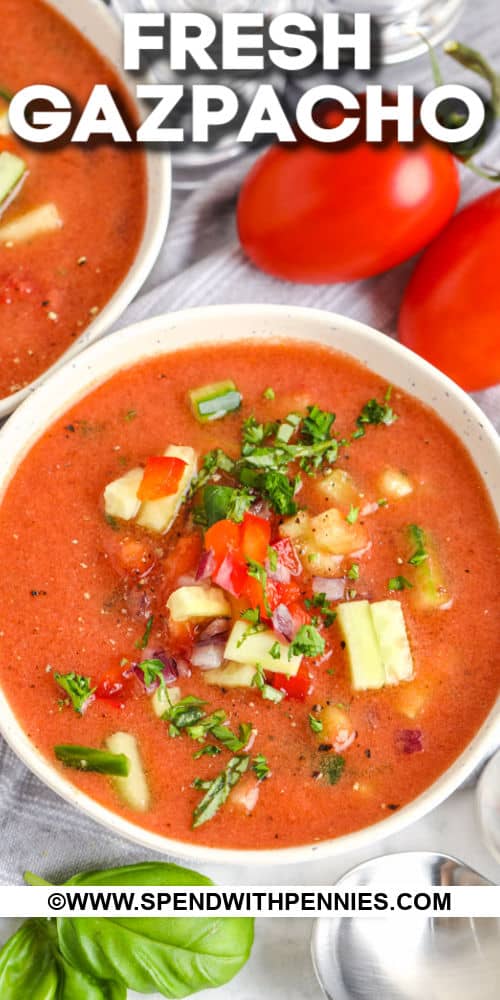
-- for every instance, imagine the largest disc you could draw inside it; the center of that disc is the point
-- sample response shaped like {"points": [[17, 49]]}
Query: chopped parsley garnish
{"points": [[153, 671], [268, 692], [275, 651], [261, 767], [317, 425], [272, 559], [77, 688], [142, 643], [315, 724], [323, 605], [307, 641], [269, 393], [399, 583], [332, 767], [209, 750], [217, 790], [374, 412], [382, 502], [130, 415], [353, 572], [251, 615], [417, 536], [353, 515]]}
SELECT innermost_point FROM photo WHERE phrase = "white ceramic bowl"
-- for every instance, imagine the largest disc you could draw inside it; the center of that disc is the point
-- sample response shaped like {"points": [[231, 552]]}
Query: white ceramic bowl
{"points": [[217, 324], [94, 20]]}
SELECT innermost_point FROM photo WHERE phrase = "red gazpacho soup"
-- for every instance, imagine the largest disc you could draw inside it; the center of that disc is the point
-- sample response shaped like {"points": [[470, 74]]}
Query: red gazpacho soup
{"points": [[249, 595], [72, 217]]}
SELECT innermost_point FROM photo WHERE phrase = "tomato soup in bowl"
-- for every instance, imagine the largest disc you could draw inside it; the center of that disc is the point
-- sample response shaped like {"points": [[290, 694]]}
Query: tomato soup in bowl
{"points": [[80, 224], [249, 593]]}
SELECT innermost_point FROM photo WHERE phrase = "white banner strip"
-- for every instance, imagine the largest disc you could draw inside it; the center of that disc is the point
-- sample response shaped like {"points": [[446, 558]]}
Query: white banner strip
{"points": [[252, 900]]}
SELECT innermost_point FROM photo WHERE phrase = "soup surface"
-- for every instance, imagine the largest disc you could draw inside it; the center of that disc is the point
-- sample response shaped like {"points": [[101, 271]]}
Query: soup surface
{"points": [[86, 204], [308, 645]]}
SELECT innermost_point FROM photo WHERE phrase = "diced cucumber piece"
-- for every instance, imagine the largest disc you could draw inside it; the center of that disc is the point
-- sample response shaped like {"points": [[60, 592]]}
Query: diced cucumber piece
{"points": [[133, 788], [231, 675], [211, 402], [252, 648], [92, 759], [365, 660], [120, 496], [429, 585], [188, 603], [163, 699], [159, 515], [12, 171], [45, 219], [390, 629]]}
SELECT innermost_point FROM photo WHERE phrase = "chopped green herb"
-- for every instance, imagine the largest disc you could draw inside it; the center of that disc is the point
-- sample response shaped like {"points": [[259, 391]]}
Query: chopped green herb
{"points": [[315, 724], [399, 583], [77, 688], [332, 767], [388, 393], [353, 515], [374, 413], [153, 671], [130, 415], [321, 602], [209, 750], [222, 502], [275, 651], [229, 739], [307, 641], [261, 767], [142, 643], [417, 536], [251, 615], [272, 558], [185, 712], [269, 393], [268, 692], [382, 502], [353, 572], [253, 628], [217, 790], [317, 425]]}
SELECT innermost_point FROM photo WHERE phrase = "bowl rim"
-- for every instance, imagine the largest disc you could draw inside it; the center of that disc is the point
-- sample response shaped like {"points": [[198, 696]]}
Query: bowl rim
{"points": [[25, 427], [158, 179]]}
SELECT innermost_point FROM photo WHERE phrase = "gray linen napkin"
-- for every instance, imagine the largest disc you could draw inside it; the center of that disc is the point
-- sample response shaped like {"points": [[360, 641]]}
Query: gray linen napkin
{"points": [[201, 264]]}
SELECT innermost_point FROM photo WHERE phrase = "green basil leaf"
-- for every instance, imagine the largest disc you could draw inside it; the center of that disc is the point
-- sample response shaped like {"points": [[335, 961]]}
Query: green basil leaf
{"points": [[31, 966], [175, 956]]}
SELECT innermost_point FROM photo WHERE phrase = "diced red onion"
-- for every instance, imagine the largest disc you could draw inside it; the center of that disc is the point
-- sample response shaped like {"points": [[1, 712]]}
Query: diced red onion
{"points": [[287, 554], [219, 626], [283, 622], [281, 574], [87, 703], [183, 668], [409, 740], [208, 655], [206, 565], [332, 587]]}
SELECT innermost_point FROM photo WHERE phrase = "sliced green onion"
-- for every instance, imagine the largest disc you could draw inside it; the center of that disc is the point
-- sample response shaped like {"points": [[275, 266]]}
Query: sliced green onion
{"points": [[211, 402], [90, 759]]}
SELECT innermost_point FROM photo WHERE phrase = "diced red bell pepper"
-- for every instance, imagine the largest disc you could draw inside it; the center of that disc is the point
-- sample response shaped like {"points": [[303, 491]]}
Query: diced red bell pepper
{"points": [[282, 593], [298, 687], [161, 478], [231, 574], [255, 538], [254, 595], [299, 614], [287, 556], [221, 538]]}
